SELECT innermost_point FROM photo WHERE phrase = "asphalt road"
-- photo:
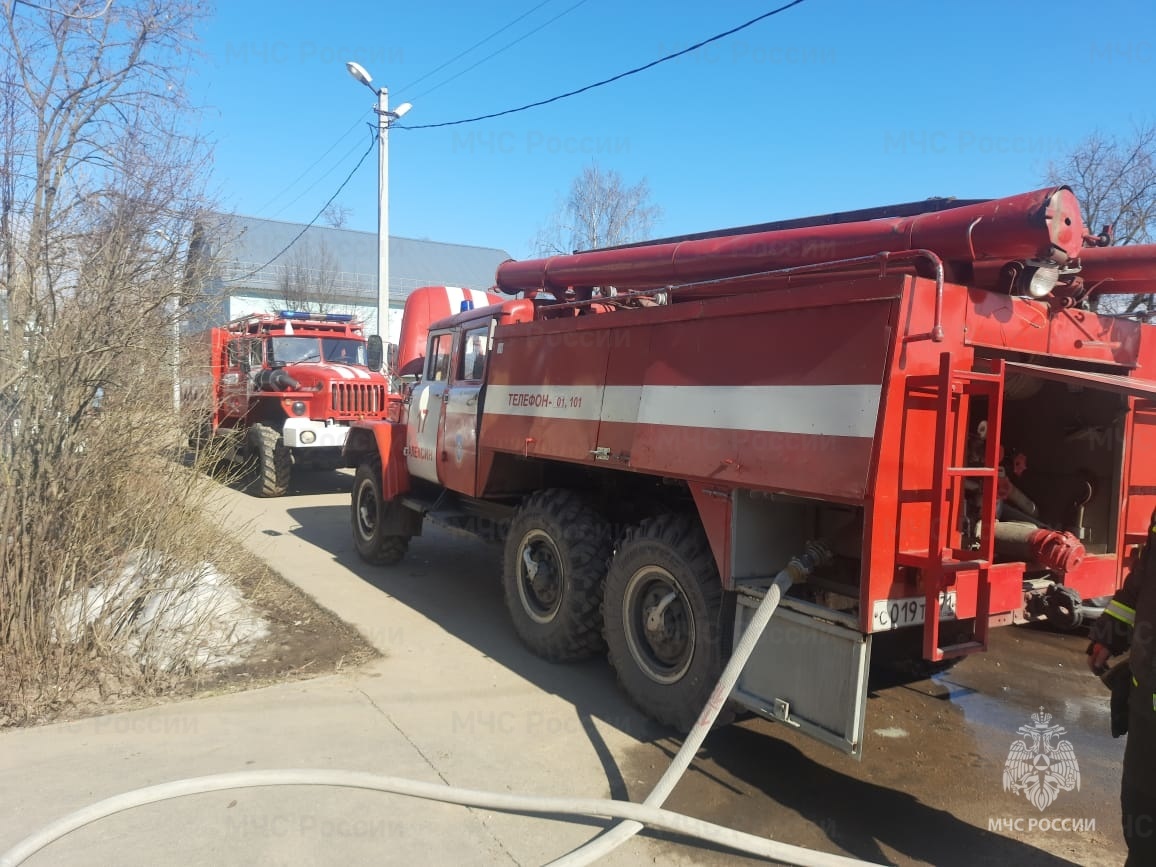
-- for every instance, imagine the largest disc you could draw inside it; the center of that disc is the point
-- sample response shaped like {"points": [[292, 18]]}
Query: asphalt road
{"points": [[928, 790]]}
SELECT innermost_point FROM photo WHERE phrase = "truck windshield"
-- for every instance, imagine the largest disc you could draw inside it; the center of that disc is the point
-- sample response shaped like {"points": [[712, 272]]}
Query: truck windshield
{"points": [[290, 350], [343, 351]]}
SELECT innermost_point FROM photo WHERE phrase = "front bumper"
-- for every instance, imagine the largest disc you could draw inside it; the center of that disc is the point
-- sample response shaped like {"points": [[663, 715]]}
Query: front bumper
{"points": [[307, 433]]}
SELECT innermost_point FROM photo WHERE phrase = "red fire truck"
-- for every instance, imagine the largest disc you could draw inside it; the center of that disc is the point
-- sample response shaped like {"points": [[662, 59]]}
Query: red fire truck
{"points": [[286, 387], [655, 430]]}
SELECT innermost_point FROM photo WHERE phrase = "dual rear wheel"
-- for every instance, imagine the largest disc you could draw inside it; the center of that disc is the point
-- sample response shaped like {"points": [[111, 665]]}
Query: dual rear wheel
{"points": [[655, 605]]}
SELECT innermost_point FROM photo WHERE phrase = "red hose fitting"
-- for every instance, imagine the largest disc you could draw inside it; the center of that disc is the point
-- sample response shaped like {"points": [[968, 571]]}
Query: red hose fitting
{"points": [[1057, 550]]}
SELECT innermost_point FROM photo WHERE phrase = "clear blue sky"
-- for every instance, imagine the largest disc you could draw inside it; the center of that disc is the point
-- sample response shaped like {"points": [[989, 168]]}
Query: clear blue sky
{"points": [[832, 105]]}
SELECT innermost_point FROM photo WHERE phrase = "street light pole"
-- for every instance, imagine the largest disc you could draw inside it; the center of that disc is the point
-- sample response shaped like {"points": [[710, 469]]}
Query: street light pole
{"points": [[384, 118], [383, 213]]}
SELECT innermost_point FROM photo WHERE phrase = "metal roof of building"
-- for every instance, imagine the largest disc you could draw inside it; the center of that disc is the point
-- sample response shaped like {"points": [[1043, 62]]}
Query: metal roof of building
{"points": [[245, 244]]}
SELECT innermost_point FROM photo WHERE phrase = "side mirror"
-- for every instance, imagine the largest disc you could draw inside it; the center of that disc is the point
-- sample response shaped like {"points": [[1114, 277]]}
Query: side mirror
{"points": [[374, 352]]}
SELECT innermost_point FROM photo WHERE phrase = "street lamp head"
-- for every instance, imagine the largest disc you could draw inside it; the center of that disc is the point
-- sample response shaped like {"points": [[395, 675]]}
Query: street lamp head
{"points": [[401, 109], [358, 72]]}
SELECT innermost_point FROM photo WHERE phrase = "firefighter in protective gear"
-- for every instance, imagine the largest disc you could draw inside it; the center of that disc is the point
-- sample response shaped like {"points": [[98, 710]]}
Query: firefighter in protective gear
{"points": [[1129, 623]]}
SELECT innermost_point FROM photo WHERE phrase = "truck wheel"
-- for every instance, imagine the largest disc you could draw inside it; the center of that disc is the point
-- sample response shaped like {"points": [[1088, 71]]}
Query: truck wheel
{"points": [[367, 511], [556, 552], [272, 462], [663, 619]]}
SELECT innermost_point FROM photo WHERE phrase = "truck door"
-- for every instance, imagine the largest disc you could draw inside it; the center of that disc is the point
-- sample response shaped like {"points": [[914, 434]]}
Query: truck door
{"points": [[458, 446], [425, 408], [241, 358]]}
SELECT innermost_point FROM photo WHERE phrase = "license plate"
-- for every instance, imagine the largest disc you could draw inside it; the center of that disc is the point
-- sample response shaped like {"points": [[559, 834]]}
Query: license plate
{"points": [[894, 613]]}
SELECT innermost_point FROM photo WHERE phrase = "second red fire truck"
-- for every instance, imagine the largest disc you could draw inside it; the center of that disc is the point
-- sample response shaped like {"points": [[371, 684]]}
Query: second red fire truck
{"points": [[285, 387]]}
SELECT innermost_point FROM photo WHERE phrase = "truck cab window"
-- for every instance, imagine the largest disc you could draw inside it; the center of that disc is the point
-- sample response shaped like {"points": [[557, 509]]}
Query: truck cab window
{"points": [[293, 350], [343, 351], [474, 354], [439, 357]]}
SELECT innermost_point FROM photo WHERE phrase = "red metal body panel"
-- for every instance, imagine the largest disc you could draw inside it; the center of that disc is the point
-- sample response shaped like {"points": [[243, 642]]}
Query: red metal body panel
{"points": [[1024, 325], [899, 515], [218, 339], [391, 441], [659, 394], [714, 509]]}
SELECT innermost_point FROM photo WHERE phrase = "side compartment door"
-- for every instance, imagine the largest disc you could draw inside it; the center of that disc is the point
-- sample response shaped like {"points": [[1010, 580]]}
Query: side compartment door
{"points": [[808, 671], [425, 408], [458, 448], [1140, 486]]}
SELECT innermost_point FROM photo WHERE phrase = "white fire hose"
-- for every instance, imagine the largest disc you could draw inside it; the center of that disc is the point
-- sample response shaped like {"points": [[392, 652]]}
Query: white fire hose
{"points": [[634, 816]]}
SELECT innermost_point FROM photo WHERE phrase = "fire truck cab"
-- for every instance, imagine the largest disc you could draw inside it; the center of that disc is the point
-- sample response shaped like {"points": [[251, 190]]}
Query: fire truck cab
{"points": [[286, 386]]}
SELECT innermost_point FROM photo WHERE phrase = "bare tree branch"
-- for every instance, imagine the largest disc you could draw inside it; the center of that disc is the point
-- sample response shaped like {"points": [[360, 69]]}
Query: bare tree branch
{"points": [[1115, 181], [600, 211], [309, 279]]}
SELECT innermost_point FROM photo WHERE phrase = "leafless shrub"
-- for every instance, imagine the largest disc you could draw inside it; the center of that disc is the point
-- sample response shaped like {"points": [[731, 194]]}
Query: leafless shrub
{"points": [[100, 185]]}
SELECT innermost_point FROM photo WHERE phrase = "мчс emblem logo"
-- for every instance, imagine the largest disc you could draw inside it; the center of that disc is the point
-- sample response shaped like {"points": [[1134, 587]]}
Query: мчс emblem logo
{"points": [[1038, 765]]}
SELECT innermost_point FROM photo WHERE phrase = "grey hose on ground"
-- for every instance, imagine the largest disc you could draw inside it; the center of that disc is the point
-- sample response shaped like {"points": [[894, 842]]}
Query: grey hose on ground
{"points": [[634, 816], [657, 818]]}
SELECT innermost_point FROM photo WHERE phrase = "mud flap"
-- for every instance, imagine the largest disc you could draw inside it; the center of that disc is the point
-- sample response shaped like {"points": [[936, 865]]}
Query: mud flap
{"points": [[808, 670]]}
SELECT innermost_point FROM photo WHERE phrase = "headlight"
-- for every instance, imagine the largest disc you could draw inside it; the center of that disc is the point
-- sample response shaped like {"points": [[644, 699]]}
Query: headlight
{"points": [[298, 407], [308, 437], [1043, 281]]}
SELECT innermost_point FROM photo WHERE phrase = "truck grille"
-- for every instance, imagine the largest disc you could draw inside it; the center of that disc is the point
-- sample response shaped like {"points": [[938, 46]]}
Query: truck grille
{"points": [[355, 398]]}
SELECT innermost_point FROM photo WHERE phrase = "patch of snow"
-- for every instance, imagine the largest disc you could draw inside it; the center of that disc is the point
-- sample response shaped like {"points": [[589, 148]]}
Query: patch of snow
{"points": [[193, 619]]}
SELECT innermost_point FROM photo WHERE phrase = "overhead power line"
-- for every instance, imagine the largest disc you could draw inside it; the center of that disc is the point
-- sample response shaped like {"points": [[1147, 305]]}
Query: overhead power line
{"points": [[314, 164], [345, 156], [316, 217], [478, 44], [610, 80], [508, 45]]}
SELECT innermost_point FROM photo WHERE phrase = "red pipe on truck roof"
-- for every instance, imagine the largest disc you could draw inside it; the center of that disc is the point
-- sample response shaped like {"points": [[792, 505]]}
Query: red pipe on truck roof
{"points": [[1127, 270], [1041, 225]]}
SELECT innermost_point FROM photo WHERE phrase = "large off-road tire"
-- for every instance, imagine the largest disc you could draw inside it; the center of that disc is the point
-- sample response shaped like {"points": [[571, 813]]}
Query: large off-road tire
{"points": [[556, 552], [367, 511], [272, 462], [664, 628]]}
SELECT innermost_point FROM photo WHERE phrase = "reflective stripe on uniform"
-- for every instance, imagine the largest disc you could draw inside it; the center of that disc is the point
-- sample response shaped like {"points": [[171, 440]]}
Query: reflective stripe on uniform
{"points": [[1121, 612]]}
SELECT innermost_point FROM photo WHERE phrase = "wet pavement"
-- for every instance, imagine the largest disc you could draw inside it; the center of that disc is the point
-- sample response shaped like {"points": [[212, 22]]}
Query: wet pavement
{"points": [[930, 784]]}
